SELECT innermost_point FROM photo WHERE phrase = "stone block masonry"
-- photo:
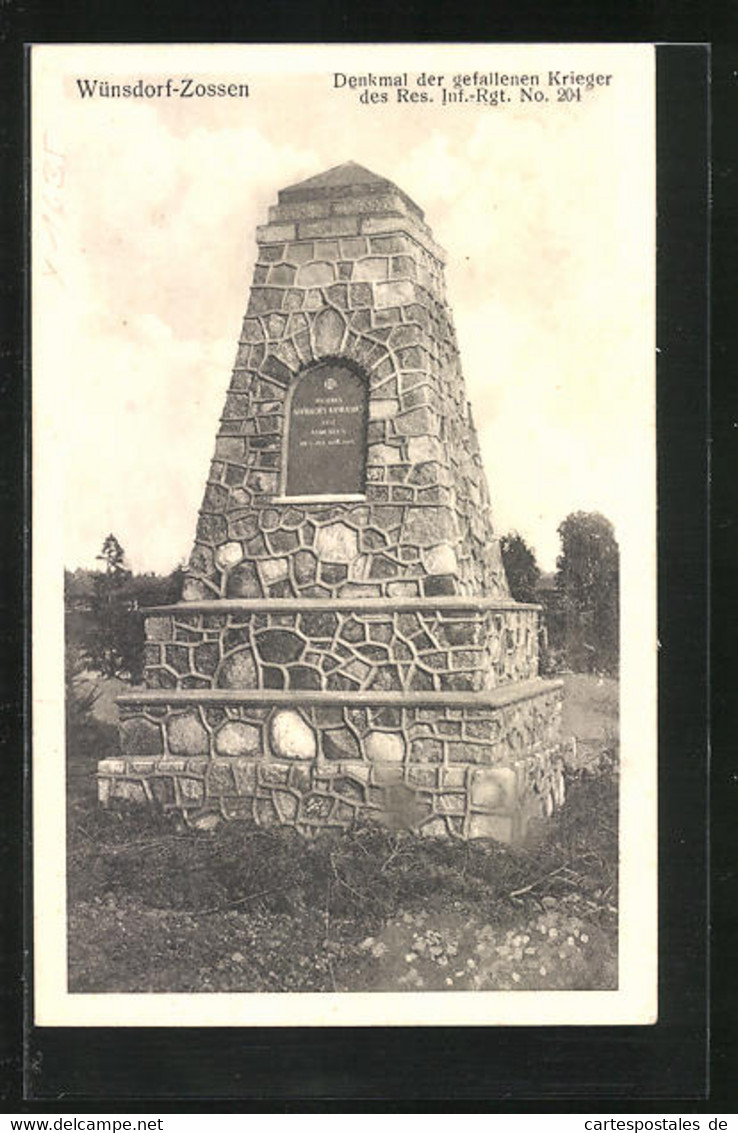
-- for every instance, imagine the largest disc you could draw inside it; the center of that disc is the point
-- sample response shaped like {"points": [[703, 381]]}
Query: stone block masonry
{"points": [[368, 291], [346, 647], [455, 766], [413, 646]]}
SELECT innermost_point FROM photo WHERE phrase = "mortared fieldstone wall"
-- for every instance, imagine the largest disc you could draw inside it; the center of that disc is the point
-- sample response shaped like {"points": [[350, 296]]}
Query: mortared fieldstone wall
{"points": [[348, 651]]}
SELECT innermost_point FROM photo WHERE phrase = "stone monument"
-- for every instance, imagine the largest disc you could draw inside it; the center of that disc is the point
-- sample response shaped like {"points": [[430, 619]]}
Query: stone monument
{"points": [[346, 647]]}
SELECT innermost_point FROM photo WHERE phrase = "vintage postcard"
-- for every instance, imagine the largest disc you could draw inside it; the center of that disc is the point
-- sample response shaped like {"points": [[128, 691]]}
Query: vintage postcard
{"points": [[344, 507]]}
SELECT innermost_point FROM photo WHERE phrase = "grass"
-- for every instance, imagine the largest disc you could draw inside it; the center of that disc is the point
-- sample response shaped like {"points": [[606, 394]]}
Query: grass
{"points": [[155, 907]]}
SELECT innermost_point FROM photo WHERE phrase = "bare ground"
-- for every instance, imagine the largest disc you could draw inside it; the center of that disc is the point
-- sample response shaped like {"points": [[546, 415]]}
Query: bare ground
{"points": [[155, 908]]}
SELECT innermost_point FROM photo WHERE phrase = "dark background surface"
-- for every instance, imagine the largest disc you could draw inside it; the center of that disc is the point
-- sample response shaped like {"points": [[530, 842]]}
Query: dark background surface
{"points": [[504, 1068]]}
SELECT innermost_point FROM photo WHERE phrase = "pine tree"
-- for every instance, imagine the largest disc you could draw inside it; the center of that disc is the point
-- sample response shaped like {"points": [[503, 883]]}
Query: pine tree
{"points": [[104, 645]]}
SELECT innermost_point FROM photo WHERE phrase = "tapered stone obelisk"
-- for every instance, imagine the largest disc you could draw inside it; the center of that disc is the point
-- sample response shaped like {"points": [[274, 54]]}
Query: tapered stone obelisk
{"points": [[346, 647]]}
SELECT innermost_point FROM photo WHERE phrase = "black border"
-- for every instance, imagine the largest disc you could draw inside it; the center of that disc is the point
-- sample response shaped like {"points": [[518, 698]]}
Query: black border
{"points": [[723, 915], [14, 562], [564, 1068]]}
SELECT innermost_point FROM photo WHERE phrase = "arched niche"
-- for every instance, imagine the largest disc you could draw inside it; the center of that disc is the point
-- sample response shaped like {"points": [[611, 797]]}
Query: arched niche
{"points": [[325, 451]]}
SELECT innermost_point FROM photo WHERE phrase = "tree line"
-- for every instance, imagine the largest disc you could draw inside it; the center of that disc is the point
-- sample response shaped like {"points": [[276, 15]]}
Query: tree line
{"points": [[580, 623], [581, 601]]}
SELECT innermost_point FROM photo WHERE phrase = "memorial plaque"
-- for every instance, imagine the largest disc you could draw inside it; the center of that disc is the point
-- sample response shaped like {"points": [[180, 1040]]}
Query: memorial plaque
{"points": [[326, 445]]}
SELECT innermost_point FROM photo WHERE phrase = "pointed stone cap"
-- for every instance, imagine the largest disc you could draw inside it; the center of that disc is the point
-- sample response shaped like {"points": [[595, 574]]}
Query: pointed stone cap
{"points": [[342, 181], [347, 200]]}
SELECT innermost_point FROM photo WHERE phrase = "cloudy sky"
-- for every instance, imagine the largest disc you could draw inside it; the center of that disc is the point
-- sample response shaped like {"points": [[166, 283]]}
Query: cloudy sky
{"points": [[144, 247]]}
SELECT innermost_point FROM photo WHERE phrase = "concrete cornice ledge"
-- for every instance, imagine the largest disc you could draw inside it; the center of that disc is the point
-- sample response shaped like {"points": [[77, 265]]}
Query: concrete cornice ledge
{"points": [[487, 698], [445, 604]]}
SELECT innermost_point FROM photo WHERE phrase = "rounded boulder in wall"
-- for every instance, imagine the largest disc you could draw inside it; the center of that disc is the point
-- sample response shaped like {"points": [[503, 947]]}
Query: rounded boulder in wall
{"points": [[337, 543], [237, 738], [243, 582], [187, 736], [440, 559], [328, 331], [384, 747], [238, 670], [141, 737], [229, 555], [290, 737]]}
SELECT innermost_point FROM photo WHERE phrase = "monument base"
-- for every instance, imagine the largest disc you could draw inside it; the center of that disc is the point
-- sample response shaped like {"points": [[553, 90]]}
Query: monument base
{"points": [[459, 765]]}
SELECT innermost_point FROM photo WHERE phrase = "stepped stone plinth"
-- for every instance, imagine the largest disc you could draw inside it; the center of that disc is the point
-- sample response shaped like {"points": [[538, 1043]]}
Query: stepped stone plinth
{"points": [[346, 646]]}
